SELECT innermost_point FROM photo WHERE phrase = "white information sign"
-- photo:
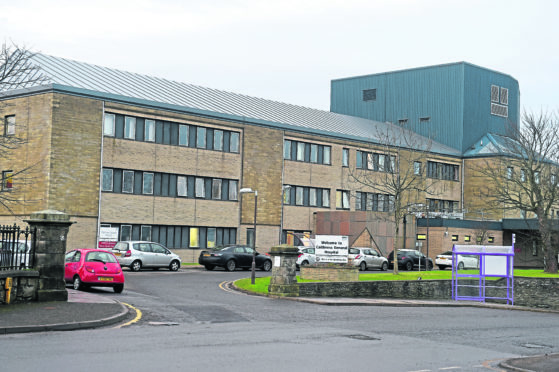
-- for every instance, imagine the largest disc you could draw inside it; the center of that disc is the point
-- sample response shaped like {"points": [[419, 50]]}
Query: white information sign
{"points": [[331, 248]]}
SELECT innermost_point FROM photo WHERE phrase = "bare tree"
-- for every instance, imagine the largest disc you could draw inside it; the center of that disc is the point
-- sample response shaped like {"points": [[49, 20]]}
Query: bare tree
{"points": [[16, 72], [400, 161], [526, 177]]}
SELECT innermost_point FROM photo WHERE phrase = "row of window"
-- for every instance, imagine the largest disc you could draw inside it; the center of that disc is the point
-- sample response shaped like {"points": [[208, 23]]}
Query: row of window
{"points": [[165, 184], [445, 206], [366, 201], [9, 125], [510, 175], [442, 171], [375, 162], [169, 133], [178, 236], [7, 180], [307, 152], [306, 196], [455, 238]]}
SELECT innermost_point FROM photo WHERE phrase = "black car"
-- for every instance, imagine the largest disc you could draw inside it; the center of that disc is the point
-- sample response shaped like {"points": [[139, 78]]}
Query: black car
{"points": [[409, 259], [233, 257]]}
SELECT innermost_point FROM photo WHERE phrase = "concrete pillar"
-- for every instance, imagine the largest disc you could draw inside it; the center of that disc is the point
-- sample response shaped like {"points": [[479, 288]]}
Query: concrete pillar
{"points": [[283, 281], [50, 248]]}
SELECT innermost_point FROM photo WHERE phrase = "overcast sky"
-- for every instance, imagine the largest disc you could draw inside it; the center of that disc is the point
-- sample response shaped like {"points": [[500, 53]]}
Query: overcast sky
{"points": [[289, 50]]}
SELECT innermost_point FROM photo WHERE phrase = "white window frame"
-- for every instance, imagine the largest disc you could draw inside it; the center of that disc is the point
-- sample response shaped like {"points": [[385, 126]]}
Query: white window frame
{"points": [[129, 228], [201, 139], [130, 173], [149, 130], [200, 187], [314, 153], [299, 195], [216, 188], [300, 151], [130, 127], [181, 186], [147, 188], [218, 140], [145, 228], [326, 155], [326, 198], [233, 190], [183, 129], [345, 157], [312, 197], [109, 125], [234, 142], [10, 125], [106, 173]]}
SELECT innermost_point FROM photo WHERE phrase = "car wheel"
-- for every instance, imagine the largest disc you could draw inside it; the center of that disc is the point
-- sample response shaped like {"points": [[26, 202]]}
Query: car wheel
{"points": [[460, 265], [118, 288], [78, 284], [136, 266], [174, 265], [305, 263], [362, 266], [409, 266], [267, 265], [231, 265], [209, 267], [384, 266], [430, 266]]}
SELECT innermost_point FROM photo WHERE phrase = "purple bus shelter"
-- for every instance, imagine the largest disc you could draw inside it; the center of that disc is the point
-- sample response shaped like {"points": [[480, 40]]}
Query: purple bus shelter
{"points": [[494, 262]]}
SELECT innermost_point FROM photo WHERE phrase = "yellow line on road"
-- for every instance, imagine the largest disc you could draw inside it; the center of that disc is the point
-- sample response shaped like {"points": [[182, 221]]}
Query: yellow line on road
{"points": [[136, 318]]}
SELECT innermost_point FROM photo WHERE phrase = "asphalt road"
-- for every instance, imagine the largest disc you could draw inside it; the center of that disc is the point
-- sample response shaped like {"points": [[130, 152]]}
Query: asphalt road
{"points": [[191, 323]]}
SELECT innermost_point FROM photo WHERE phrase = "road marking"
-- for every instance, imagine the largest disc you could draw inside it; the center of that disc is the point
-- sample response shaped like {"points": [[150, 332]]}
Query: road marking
{"points": [[223, 285], [447, 368], [136, 318], [487, 363]]}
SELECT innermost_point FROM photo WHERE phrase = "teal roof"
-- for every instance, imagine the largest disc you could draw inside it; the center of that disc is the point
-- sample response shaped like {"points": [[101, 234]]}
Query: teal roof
{"points": [[109, 84]]}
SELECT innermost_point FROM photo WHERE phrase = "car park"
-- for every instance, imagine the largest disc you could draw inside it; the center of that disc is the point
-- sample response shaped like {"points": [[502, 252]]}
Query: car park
{"points": [[93, 268], [410, 259], [306, 257], [137, 255], [233, 257], [466, 261], [366, 258]]}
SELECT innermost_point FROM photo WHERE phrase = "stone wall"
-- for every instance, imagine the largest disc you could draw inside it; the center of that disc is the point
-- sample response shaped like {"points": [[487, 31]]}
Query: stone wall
{"points": [[334, 274], [530, 292], [25, 285]]}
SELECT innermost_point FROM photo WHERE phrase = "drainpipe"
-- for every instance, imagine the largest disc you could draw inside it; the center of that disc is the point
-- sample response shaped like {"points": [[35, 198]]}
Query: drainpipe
{"points": [[100, 177]]}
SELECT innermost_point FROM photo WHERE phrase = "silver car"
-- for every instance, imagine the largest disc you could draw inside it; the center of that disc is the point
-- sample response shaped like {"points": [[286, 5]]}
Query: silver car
{"points": [[367, 258], [15, 254], [306, 257], [141, 254]]}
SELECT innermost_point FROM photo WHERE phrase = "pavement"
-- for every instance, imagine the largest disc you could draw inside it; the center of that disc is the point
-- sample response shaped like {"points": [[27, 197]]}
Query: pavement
{"points": [[91, 310]]}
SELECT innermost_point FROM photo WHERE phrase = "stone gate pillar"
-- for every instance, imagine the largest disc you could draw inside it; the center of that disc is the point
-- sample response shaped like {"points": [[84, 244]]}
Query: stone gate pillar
{"points": [[50, 248], [284, 271]]}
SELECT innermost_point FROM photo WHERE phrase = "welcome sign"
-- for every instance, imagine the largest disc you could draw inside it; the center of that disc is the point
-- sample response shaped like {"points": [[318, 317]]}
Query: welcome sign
{"points": [[331, 248]]}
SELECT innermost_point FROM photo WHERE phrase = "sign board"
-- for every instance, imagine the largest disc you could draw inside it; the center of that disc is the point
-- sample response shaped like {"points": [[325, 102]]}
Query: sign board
{"points": [[108, 236], [331, 248]]}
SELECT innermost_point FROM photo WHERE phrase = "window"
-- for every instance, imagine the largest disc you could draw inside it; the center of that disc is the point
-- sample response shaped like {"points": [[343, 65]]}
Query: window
{"points": [[128, 181], [234, 142], [494, 93], [299, 195], [312, 197], [287, 195], [424, 119], [421, 237], [211, 237], [467, 238], [345, 157], [537, 177], [233, 193], [9, 125], [183, 135], [147, 187], [342, 199], [491, 239], [300, 151], [326, 155], [417, 168], [149, 130], [443, 171], [287, 149], [216, 189], [369, 95], [181, 186], [145, 233], [509, 173], [7, 180], [125, 232], [109, 125], [130, 127], [454, 238], [218, 140], [314, 153], [194, 237], [201, 137], [402, 121], [326, 198], [522, 175], [504, 96], [107, 184], [200, 188]]}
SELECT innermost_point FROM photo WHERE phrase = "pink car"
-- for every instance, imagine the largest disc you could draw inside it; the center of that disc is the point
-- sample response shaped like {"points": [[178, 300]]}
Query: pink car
{"points": [[93, 268]]}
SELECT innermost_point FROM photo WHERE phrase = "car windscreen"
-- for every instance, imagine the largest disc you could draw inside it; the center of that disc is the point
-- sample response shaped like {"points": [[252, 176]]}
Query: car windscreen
{"points": [[121, 246], [100, 257]]}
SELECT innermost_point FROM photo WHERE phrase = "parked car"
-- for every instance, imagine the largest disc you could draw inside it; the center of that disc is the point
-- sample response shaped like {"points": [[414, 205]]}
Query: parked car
{"points": [[15, 254], [142, 254], [232, 257], [409, 259], [367, 258], [306, 257], [466, 261], [93, 268]]}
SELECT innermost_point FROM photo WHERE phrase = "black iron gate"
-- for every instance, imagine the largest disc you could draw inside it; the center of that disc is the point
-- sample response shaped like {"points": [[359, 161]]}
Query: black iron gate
{"points": [[17, 247]]}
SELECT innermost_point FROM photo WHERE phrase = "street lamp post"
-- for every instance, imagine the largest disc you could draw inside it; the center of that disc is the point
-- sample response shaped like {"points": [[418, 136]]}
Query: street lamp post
{"points": [[283, 189], [253, 269]]}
